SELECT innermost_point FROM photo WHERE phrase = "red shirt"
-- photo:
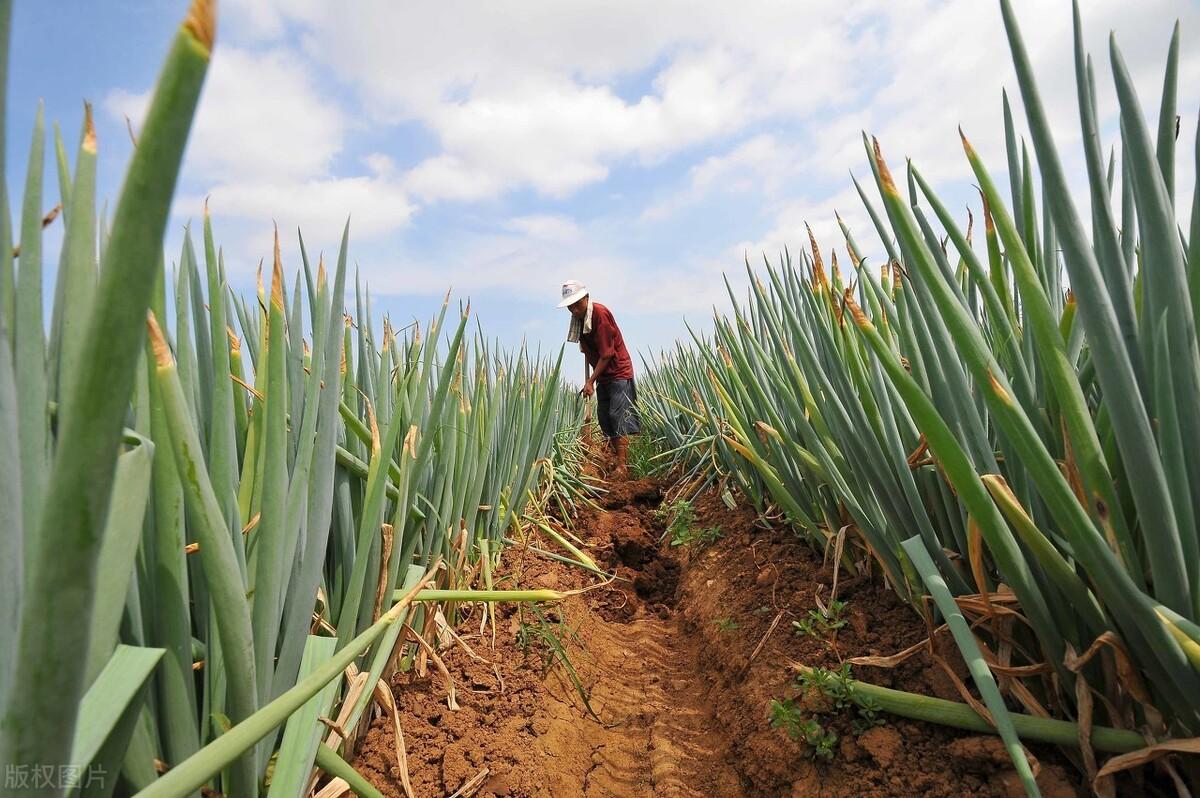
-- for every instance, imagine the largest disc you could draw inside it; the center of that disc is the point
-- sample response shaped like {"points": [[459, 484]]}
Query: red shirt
{"points": [[605, 339]]}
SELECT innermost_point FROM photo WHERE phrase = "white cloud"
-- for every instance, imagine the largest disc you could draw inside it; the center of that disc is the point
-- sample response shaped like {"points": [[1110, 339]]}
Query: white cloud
{"points": [[789, 230], [122, 103], [558, 138], [262, 148], [502, 267], [373, 205], [261, 117], [760, 157], [380, 163], [253, 20], [945, 65], [447, 177], [529, 96], [760, 164], [545, 227], [519, 107]]}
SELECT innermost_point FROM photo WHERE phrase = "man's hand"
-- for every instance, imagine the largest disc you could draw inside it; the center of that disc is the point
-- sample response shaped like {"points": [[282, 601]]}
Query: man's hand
{"points": [[590, 383]]}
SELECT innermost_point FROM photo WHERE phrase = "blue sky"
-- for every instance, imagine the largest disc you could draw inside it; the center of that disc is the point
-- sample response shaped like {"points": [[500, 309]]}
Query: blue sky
{"points": [[500, 148]]}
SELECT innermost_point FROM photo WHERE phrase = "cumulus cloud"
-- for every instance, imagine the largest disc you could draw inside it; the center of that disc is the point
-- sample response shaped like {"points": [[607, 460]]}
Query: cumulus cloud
{"points": [[261, 117], [448, 177], [532, 96], [680, 108], [545, 227], [536, 96], [761, 164], [928, 68], [550, 97], [263, 146], [374, 205]]}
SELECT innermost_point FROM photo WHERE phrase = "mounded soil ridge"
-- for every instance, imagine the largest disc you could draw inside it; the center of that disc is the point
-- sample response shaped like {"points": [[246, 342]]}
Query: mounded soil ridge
{"points": [[680, 658]]}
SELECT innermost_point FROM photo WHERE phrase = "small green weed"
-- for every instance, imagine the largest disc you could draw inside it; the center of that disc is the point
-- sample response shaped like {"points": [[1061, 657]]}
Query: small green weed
{"points": [[689, 536], [838, 685], [676, 516], [819, 624], [786, 715], [868, 714], [726, 624], [818, 741]]}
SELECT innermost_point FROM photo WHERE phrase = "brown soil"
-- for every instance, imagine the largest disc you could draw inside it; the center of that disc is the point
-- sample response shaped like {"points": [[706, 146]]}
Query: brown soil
{"points": [[666, 655]]}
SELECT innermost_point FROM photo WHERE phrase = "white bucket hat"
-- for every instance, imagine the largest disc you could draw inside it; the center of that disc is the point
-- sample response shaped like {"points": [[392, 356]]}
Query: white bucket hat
{"points": [[572, 292]]}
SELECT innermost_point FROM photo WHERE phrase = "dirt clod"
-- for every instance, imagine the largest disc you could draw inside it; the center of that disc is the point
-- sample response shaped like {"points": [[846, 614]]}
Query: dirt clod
{"points": [[982, 749], [881, 743]]}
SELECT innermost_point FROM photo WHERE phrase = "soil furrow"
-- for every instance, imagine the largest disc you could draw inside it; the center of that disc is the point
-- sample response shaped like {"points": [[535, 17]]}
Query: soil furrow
{"points": [[680, 658]]}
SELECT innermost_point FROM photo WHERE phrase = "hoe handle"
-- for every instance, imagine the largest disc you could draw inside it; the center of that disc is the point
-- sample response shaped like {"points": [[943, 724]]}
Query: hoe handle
{"points": [[587, 407]]}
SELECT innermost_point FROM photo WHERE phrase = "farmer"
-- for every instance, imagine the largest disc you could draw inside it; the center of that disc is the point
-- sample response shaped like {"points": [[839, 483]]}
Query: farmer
{"points": [[607, 368]]}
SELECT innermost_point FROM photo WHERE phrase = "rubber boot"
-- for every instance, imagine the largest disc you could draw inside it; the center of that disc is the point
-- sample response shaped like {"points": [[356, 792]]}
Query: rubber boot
{"points": [[621, 448]]}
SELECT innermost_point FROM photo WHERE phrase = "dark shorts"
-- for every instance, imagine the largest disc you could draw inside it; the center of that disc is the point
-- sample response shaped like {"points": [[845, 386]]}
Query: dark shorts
{"points": [[617, 408]]}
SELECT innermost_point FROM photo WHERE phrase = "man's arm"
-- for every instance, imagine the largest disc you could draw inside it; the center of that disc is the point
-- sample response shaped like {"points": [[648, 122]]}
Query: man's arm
{"points": [[589, 387], [606, 347]]}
